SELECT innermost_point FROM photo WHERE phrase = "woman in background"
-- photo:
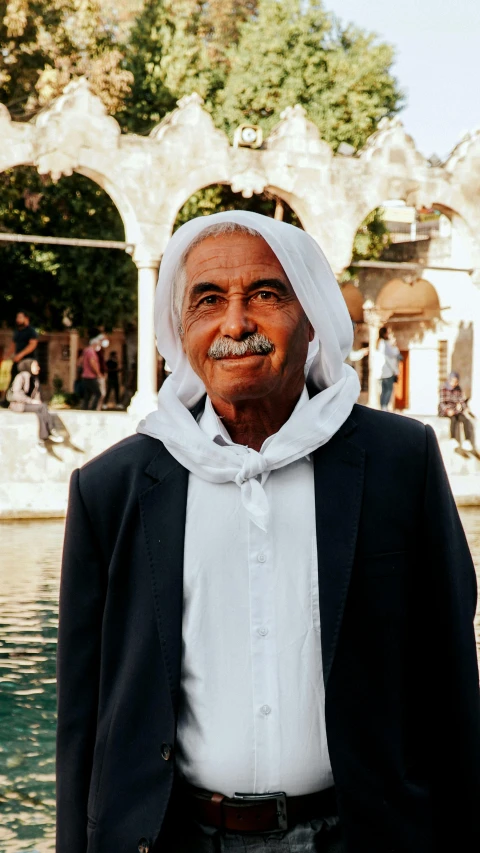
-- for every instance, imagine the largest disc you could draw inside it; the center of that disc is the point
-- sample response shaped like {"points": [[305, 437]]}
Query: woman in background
{"points": [[388, 356], [24, 396]]}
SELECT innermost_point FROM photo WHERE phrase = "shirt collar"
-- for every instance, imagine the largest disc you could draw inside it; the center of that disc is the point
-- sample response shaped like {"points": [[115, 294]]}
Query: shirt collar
{"points": [[212, 425]]}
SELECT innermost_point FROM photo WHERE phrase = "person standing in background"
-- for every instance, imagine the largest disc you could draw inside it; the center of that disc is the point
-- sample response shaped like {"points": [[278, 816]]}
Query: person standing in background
{"points": [[102, 379], [388, 356], [91, 374], [112, 379], [24, 343]]}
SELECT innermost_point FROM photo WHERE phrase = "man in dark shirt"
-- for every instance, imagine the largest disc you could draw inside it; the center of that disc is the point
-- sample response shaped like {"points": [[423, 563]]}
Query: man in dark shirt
{"points": [[24, 343]]}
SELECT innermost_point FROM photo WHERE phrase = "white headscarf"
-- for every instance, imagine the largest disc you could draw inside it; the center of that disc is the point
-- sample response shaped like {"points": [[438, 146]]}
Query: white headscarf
{"points": [[311, 425]]}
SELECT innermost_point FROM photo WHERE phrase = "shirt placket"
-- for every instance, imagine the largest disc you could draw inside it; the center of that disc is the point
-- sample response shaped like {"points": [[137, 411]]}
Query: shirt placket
{"points": [[264, 662]]}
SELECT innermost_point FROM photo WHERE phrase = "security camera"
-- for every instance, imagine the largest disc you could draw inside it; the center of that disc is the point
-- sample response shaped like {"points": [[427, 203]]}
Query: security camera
{"points": [[248, 136]]}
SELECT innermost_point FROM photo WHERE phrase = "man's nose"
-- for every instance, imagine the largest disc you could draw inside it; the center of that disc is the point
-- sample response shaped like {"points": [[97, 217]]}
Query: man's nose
{"points": [[237, 321]]}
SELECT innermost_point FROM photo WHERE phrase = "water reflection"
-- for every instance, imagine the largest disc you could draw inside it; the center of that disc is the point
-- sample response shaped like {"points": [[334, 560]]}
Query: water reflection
{"points": [[29, 568], [29, 562]]}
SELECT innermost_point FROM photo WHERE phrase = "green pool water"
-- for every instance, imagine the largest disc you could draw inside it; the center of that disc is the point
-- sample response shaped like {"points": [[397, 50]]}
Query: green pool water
{"points": [[29, 577]]}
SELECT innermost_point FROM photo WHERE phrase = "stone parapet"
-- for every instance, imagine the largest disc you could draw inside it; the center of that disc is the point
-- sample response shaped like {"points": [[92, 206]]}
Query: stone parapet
{"points": [[34, 485]]}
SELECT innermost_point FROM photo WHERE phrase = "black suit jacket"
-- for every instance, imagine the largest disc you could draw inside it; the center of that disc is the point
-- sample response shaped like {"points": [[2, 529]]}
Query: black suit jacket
{"points": [[397, 602]]}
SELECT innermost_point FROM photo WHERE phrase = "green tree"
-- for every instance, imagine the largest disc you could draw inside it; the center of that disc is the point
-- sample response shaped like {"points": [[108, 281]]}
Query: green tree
{"points": [[176, 47], [46, 43], [292, 52], [89, 286], [369, 243], [221, 197]]}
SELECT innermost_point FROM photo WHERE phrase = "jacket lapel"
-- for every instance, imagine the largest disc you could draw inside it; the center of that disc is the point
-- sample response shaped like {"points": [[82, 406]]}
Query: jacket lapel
{"points": [[338, 471], [163, 512]]}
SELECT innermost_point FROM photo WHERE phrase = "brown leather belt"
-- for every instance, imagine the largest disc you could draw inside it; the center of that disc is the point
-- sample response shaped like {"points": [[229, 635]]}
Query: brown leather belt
{"points": [[273, 812]]}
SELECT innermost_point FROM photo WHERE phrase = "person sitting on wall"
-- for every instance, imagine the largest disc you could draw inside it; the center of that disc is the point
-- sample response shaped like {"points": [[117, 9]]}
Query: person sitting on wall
{"points": [[454, 405], [24, 396]]}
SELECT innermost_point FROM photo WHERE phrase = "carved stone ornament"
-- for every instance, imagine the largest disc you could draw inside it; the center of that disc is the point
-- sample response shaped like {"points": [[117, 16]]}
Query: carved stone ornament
{"points": [[189, 114], [391, 146], [468, 148], [77, 119], [248, 182], [297, 134]]}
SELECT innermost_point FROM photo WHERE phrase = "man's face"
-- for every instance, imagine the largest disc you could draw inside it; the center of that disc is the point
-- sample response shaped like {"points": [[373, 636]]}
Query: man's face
{"points": [[236, 287], [21, 320], [454, 381]]}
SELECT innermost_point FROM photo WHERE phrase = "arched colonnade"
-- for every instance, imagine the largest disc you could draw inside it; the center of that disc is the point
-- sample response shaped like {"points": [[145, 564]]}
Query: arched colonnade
{"points": [[150, 178]]}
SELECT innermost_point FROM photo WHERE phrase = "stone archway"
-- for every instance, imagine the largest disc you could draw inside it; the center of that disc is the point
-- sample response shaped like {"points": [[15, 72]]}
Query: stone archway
{"points": [[149, 178], [412, 310]]}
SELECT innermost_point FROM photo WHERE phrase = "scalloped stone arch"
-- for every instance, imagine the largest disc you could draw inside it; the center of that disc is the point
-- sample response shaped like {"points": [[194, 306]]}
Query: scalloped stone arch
{"points": [[150, 178]]}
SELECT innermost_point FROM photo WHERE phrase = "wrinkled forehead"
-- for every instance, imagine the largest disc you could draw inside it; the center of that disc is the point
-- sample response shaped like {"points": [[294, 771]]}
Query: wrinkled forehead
{"points": [[236, 255]]}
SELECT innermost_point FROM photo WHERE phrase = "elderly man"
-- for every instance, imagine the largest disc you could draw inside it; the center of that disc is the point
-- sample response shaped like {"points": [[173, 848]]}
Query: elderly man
{"points": [[265, 643]]}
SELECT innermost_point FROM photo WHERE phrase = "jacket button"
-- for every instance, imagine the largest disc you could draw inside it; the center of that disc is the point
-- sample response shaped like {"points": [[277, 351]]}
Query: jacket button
{"points": [[166, 751], [143, 845]]}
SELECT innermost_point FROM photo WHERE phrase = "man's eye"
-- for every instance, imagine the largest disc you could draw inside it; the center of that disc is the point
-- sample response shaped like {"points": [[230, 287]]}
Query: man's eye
{"points": [[265, 296], [210, 300]]}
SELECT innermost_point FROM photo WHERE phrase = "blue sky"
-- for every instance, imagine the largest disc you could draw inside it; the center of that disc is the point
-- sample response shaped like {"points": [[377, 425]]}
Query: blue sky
{"points": [[438, 62]]}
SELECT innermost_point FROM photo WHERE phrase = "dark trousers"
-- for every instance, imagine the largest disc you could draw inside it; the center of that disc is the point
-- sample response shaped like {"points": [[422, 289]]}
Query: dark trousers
{"points": [[112, 385], [315, 836], [456, 422], [91, 393], [45, 420], [386, 392]]}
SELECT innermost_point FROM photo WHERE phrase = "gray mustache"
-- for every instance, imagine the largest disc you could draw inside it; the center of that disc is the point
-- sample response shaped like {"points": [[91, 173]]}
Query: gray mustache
{"points": [[255, 344]]}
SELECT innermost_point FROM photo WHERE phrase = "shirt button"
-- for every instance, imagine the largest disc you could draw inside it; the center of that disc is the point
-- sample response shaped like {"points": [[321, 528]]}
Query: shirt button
{"points": [[166, 751], [262, 632], [261, 558], [265, 709]]}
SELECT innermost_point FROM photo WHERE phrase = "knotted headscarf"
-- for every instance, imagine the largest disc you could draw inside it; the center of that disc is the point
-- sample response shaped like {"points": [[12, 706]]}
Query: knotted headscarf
{"points": [[309, 426]]}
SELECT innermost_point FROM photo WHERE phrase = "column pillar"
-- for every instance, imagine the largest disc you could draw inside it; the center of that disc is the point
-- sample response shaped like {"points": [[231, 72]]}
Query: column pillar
{"points": [[145, 398], [373, 321]]}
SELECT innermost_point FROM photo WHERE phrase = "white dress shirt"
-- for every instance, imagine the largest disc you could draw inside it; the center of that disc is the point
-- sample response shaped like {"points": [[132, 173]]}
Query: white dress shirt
{"points": [[252, 709]]}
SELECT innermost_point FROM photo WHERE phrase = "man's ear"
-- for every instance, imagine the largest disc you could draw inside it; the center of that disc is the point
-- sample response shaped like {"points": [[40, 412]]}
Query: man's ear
{"points": [[311, 333]]}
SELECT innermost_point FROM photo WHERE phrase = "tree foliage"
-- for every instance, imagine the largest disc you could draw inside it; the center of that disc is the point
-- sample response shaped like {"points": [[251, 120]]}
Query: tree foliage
{"points": [[221, 197], [88, 286], [248, 59], [176, 47], [47, 43], [371, 239]]}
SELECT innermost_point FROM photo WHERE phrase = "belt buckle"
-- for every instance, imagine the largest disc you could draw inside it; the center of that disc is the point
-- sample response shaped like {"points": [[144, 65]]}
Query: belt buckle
{"points": [[281, 800]]}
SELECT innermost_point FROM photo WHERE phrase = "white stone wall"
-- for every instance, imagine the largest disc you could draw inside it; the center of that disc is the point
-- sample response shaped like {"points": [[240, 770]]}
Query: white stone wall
{"points": [[36, 485]]}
